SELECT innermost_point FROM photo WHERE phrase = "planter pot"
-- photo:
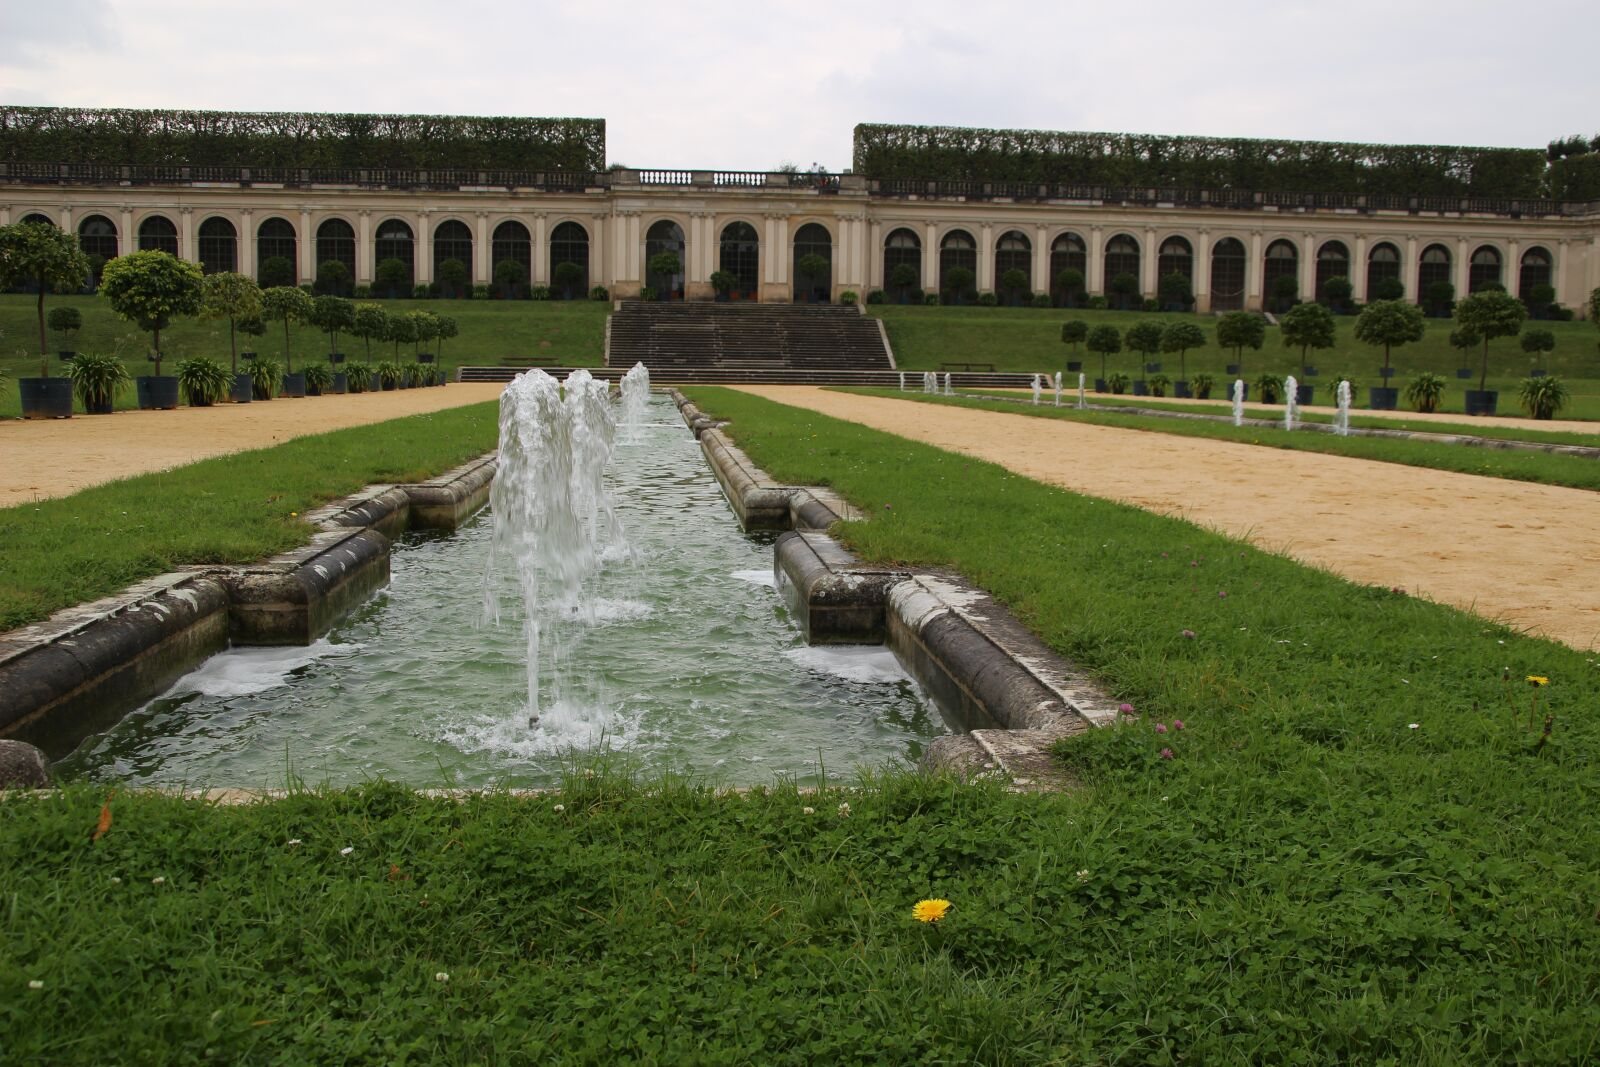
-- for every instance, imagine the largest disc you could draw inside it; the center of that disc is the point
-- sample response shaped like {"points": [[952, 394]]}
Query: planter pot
{"points": [[1383, 398], [1464, 373], [425, 357], [240, 392], [374, 384], [341, 383], [101, 407], [294, 385], [336, 357], [1074, 366], [1386, 372], [1536, 374], [390, 387], [1180, 389], [1141, 388], [1230, 368], [1100, 386], [156, 392], [46, 398], [1481, 401], [1152, 368], [312, 390], [1302, 393]]}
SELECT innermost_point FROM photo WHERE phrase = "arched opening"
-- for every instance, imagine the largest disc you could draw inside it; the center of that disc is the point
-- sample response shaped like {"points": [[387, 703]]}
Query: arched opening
{"points": [[902, 266], [569, 260], [1383, 273], [219, 246], [1068, 252], [97, 236], [1434, 287], [1122, 272], [158, 234], [452, 259], [1280, 276], [511, 253], [958, 267], [336, 262], [1013, 268], [665, 237], [813, 264], [277, 253], [1333, 261], [36, 219], [1483, 270], [1533, 282], [1175, 274], [739, 254], [394, 257], [1227, 275]]}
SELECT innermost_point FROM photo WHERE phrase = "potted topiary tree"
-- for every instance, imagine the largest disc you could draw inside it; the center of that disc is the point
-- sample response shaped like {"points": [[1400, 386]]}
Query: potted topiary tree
{"points": [[568, 277], [65, 321], [511, 278], [236, 298], [1285, 291], [1240, 330], [444, 328], [813, 268], [903, 279], [1179, 337], [332, 315], [1390, 323], [722, 283], [276, 271], [1533, 342], [37, 254], [1125, 287], [1069, 284], [97, 379], [958, 284], [1464, 341], [1307, 327], [370, 323], [1176, 294], [150, 289], [1014, 283], [1337, 291], [391, 278], [1074, 332], [1388, 289], [1439, 298], [1106, 341], [424, 327], [288, 306], [452, 276], [1488, 314], [665, 268], [333, 278], [1144, 337]]}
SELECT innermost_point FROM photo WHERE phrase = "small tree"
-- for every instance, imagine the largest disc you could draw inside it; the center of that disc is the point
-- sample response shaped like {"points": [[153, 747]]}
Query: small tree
{"points": [[1069, 282], [1125, 287], [444, 328], [903, 279], [150, 289], [1534, 342], [399, 329], [960, 281], [569, 276], [452, 276], [276, 271], [1176, 293], [813, 268], [423, 326], [287, 304], [1308, 326], [1014, 283], [1439, 298], [1539, 298], [46, 257], [65, 321], [1388, 289], [1390, 323], [1337, 291], [1106, 341], [510, 275], [332, 315], [332, 277], [392, 277], [1179, 337], [371, 323], [1073, 333], [1240, 330], [1144, 337], [231, 296], [1285, 291], [723, 281], [666, 265], [1464, 341], [1490, 315]]}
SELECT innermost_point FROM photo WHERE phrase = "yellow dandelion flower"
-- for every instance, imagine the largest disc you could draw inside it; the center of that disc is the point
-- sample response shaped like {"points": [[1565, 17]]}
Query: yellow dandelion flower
{"points": [[930, 911], [1538, 679]]}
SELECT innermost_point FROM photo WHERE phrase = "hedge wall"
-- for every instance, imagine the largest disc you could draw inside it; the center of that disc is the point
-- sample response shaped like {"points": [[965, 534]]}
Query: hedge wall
{"points": [[1576, 177], [114, 137], [1139, 160]]}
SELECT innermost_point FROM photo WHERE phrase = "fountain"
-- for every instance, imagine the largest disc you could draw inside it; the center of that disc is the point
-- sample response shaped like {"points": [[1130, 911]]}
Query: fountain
{"points": [[948, 391], [1291, 403], [902, 381], [1058, 388], [552, 514], [1341, 420], [1238, 401], [1038, 386], [635, 399], [1083, 401], [930, 382]]}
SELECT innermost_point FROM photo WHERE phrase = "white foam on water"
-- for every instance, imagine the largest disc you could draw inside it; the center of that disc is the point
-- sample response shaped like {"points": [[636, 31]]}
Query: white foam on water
{"points": [[586, 728], [863, 664], [757, 577], [242, 671]]}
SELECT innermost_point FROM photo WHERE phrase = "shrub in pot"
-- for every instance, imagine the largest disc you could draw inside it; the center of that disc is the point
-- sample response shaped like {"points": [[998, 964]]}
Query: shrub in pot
{"points": [[1392, 324], [877, 296], [1201, 384], [1424, 392], [930, 299], [1179, 337], [987, 300], [1307, 327], [150, 289], [318, 378], [1240, 330], [482, 292], [1118, 383], [359, 377], [1159, 384], [722, 283], [848, 297], [1488, 314], [390, 373], [48, 259], [664, 266], [203, 381], [238, 299], [1543, 398], [65, 321], [97, 379], [1270, 388], [264, 377], [1104, 340], [567, 277], [599, 292], [1041, 300]]}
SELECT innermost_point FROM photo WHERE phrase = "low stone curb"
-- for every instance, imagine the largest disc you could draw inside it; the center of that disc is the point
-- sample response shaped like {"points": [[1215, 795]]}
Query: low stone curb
{"points": [[295, 597]]}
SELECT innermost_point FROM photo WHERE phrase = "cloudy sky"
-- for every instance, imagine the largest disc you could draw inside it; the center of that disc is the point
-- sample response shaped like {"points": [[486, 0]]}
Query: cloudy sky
{"points": [[753, 85]]}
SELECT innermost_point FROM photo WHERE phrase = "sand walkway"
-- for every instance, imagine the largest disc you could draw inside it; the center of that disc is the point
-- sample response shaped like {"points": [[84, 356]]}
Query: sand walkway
{"points": [[1522, 553], [41, 459]]}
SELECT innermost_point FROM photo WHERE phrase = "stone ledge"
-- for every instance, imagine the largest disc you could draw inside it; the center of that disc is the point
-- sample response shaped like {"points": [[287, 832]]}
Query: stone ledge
{"points": [[294, 597], [445, 502], [834, 597]]}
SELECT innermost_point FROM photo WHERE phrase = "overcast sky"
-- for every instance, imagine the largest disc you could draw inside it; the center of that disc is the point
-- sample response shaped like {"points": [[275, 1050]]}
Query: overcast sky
{"points": [[749, 86]]}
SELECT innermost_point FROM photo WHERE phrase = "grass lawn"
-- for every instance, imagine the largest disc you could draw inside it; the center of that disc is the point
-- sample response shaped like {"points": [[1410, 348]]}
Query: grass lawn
{"points": [[570, 332], [230, 509], [1029, 339], [1575, 471]]}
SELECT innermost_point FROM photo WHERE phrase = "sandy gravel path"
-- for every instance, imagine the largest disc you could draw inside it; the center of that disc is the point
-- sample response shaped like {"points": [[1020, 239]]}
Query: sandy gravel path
{"points": [[50, 458], [1522, 553]]}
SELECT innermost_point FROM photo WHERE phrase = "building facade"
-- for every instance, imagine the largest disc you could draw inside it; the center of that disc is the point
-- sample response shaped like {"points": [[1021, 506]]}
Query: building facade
{"points": [[759, 227]]}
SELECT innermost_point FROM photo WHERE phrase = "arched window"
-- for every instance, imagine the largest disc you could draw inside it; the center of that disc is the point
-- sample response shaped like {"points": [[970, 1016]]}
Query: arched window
{"points": [[1122, 271], [569, 243], [665, 236], [957, 251], [812, 239], [1014, 252], [336, 243], [1433, 268], [739, 254], [511, 243], [1333, 261], [902, 249], [452, 257], [1227, 275], [97, 236], [1534, 274], [1383, 264], [394, 243], [1483, 269], [277, 253], [1280, 275], [38, 220], [158, 234], [1068, 252], [219, 246], [1176, 257]]}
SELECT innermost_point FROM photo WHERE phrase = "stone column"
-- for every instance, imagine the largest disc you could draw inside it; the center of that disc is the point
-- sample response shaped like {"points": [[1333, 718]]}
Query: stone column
{"points": [[875, 278], [1150, 264], [422, 249], [1202, 271], [1308, 268], [186, 247], [1559, 280], [306, 246], [540, 252], [365, 252], [1096, 281], [1462, 266], [5, 214], [986, 258], [1411, 270], [66, 218], [1511, 269], [247, 243], [601, 266], [1041, 259], [930, 257], [697, 257], [1253, 272], [482, 258], [769, 238], [635, 240], [1358, 270]]}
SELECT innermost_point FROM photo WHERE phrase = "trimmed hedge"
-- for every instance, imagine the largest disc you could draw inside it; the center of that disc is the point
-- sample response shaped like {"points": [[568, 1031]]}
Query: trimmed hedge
{"points": [[1120, 159], [117, 137]]}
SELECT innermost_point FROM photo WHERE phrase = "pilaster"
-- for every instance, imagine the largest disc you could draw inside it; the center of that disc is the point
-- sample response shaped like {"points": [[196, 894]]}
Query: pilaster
{"points": [[1149, 265], [482, 267], [186, 247], [422, 249], [986, 258], [247, 243], [365, 252]]}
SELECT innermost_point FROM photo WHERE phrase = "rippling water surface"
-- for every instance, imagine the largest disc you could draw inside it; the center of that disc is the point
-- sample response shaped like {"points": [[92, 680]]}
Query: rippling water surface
{"points": [[684, 660]]}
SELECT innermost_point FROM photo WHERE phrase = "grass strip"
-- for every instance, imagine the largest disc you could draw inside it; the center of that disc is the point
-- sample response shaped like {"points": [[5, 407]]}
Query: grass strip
{"points": [[1576, 472], [228, 509]]}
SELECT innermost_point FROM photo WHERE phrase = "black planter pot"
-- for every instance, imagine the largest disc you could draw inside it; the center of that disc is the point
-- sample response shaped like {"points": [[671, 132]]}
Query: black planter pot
{"points": [[341, 383], [375, 384], [46, 398], [1230, 368], [156, 392], [1383, 398], [1536, 374], [1302, 393], [1074, 366], [240, 392], [1180, 389], [1464, 373], [1100, 386], [1141, 388], [390, 387], [425, 357], [312, 390], [294, 385], [1481, 401], [66, 356], [102, 406]]}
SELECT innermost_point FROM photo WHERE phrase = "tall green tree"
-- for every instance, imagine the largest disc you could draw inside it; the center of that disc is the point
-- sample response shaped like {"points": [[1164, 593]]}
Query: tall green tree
{"points": [[1073, 332], [1144, 337], [399, 329], [1306, 327], [1390, 323], [1105, 341], [424, 325], [1240, 330], [150, 289], [1179, 337], [444, 329], [287, 304], [231, 296], [46, 257], [371, 322], [332, 315], [1490, 314]]}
